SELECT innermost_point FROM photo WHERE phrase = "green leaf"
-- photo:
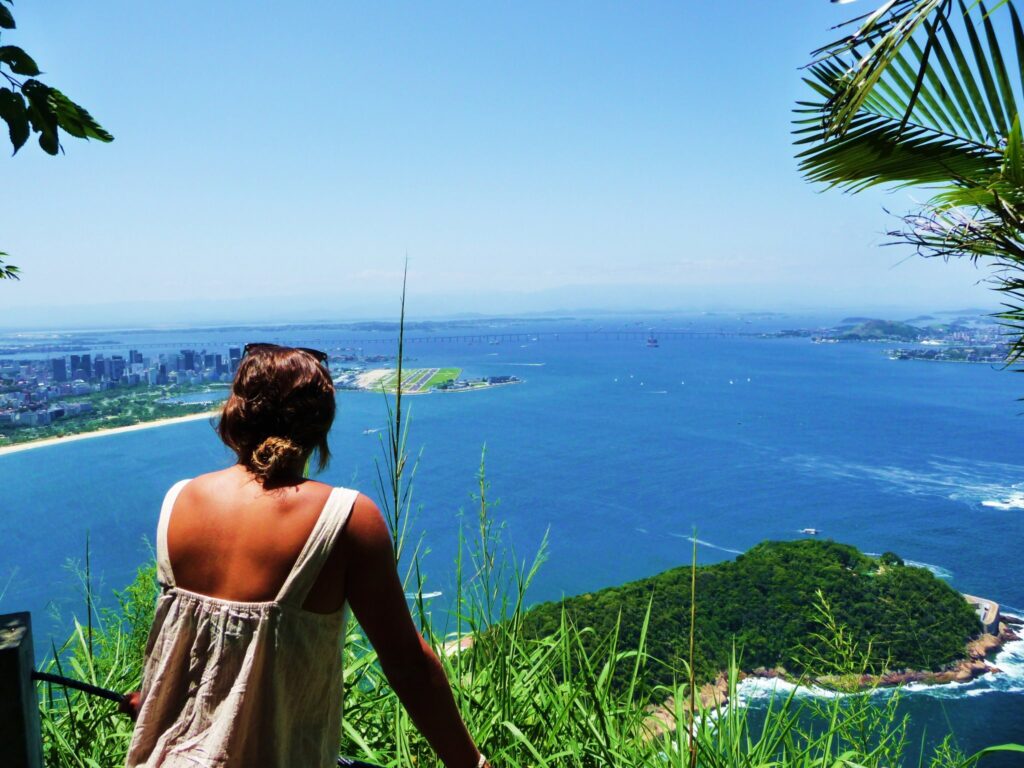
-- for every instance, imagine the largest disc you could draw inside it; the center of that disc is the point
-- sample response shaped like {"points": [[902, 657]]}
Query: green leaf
{"points": [[12, 110], [1001, 748], [1013, 163], [999, 71], [75, 119], [986, 75], [19, 61], [6, 19], [970, 83], [41, 115], [8, 271]]}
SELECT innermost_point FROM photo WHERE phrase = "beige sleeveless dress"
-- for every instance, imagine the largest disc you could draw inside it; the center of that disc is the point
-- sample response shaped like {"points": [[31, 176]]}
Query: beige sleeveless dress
{"points": [[229, 683]]}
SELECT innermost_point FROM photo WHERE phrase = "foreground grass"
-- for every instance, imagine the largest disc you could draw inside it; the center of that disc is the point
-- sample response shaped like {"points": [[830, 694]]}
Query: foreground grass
{"points": [[528, 701]]}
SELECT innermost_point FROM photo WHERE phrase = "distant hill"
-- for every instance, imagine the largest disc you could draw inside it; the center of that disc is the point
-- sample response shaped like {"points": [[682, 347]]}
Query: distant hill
{"points": [[968, 311], [873, 330], [763, 602]]}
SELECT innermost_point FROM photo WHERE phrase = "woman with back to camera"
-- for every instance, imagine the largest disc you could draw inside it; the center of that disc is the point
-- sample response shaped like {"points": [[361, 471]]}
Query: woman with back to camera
{"points": [[258, 566]]}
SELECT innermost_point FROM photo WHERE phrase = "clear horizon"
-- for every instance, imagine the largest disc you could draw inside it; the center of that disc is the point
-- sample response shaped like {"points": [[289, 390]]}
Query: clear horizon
{"points": [[186, 317], [527, 159]]}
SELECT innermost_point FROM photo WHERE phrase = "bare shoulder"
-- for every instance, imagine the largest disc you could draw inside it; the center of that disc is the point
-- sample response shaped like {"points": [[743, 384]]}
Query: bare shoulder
{"points": [[210, 482], [366, 525]]}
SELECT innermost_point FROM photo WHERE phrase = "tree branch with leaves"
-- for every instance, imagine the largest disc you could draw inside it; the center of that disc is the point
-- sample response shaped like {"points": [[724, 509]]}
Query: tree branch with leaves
{"points": [[29, 106], [921, 94]]}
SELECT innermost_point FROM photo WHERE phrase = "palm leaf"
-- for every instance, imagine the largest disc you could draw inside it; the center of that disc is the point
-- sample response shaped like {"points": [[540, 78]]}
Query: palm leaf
{"points": [[986, 75], [916, 108]]}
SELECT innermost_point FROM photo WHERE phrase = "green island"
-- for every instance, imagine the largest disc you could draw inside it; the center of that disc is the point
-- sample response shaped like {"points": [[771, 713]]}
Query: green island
{"points": [[904, 623], [117, 407]]}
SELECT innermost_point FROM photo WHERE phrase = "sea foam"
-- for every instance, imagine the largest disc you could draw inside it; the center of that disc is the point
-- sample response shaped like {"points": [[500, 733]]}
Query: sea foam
{"points": [[1009, 679]]}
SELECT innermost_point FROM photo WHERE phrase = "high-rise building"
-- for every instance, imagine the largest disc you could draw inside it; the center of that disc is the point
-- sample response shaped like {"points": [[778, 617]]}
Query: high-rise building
{"points": [[234, 358], [59, 369], [134, 356], [209, 361], [98, 368], [116, 367], [188, 360], [86, 368]]}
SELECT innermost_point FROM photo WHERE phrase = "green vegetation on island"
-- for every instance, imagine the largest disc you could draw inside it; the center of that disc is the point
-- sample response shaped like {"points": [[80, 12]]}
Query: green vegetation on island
{"points": [[879, 330], [765, 604]]}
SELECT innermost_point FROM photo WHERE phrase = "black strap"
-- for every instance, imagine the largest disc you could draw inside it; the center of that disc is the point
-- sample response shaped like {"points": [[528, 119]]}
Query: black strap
{"points": [[78, 685]]}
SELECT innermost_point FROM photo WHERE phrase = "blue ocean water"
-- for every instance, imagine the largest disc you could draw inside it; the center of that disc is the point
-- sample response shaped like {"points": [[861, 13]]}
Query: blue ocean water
{"points": [[618, 452]]}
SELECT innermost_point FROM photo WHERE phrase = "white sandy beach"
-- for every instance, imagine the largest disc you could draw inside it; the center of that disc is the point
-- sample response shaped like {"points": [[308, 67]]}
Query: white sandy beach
{"points": [[104, 432]]}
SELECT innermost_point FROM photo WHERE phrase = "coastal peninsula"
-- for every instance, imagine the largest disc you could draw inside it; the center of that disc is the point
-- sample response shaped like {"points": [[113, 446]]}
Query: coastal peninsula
{"points": [[106, 412], [72, 437], [899, 623], [963, 339]]}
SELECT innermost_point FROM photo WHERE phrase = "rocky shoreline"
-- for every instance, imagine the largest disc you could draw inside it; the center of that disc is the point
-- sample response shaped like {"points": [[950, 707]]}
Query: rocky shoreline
{"points": [[662, 717], [976, 663]]}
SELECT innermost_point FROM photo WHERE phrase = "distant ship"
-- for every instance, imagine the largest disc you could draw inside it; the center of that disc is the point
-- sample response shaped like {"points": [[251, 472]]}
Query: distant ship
{"points": [[810, 531], [651, 341]]}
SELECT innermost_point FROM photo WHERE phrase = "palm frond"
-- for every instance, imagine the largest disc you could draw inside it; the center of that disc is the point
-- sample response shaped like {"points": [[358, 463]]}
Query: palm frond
{"points": [[926, 64], [881, 145]]}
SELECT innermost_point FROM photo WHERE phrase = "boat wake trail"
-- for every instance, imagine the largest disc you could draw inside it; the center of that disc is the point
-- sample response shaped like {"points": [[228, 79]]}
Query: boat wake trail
{"points": [[707, 544], [976, 483]]}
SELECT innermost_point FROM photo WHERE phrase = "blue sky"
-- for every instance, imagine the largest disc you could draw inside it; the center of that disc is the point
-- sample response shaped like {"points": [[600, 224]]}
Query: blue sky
{"points": [[278, 160]]}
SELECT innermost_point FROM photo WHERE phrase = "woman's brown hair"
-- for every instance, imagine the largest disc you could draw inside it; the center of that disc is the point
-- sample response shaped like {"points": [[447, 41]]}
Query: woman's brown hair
{"points": [[280, 410]]}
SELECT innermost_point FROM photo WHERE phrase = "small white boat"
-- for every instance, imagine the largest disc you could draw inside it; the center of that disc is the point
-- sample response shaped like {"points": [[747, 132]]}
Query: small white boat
{"points": [[810, 531]]}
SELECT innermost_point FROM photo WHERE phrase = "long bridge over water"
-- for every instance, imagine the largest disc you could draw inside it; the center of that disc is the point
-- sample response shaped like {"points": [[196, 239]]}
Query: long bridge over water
{"points": [[504, 337], [388, 338]]}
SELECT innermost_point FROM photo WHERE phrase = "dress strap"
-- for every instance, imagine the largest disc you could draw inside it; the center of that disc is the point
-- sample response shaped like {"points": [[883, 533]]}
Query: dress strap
{"points": [[318, 546], [163, 562]]}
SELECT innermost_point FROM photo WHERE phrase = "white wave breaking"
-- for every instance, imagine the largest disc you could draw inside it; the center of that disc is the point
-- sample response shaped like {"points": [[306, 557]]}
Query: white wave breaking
{"points": [[1009, 679], [989, 484], [936, 570], [1014, 501]]}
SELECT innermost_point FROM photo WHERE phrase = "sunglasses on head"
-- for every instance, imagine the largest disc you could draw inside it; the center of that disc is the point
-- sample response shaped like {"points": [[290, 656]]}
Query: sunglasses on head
{"points": [[321, 357]]}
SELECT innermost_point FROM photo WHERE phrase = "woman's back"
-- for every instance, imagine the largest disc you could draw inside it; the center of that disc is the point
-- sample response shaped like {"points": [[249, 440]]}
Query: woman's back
{"points": [[229, 537], [247, 673]]}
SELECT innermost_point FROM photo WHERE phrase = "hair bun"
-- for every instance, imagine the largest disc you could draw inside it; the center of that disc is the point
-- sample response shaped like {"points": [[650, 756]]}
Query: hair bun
{"points": [[272, 456]]}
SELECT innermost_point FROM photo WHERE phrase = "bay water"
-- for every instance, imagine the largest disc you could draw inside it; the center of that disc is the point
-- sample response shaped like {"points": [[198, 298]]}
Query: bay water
{"points": [[616, 451]]}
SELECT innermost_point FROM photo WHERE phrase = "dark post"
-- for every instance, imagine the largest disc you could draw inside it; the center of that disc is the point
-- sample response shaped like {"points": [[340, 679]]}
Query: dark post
{"points": [[19, 707]]}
